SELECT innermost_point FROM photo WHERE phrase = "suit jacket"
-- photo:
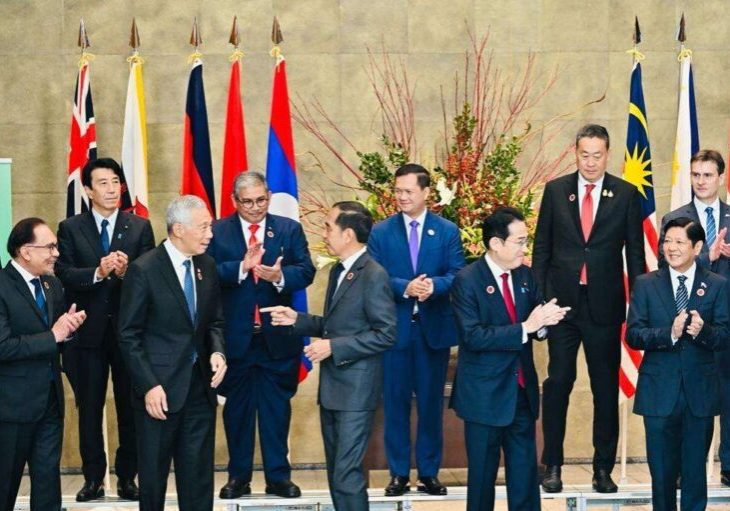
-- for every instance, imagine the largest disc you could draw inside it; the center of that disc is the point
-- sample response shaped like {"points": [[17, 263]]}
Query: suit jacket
{"points": [[560, 250], [27, 347], [80, 246], [440, 257], [690, 363], [490, 345], [360, 322], [283, 237], [156, 334]]}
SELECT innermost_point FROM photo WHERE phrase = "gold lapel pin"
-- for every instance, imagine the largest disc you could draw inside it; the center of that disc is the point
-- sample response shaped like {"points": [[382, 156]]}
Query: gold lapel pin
{"points": [[200, 274], [45, 284]]}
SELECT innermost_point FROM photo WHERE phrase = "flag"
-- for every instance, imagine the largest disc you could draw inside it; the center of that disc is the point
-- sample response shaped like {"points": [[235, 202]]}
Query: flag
{"points": [[82, 142], [281, 176], [637, 171], [687, 141], [6, 207], [197, 169], [234, 147], [134, 145]]}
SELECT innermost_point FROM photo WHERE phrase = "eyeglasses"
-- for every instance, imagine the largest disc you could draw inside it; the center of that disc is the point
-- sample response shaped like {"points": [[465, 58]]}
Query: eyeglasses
{"points": [[249, 203], [51, 247]]}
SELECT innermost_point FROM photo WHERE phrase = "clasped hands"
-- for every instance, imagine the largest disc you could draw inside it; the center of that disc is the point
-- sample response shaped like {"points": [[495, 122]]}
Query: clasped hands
{"points": [[546, 314], [315, 351], [115, 262], [420, 288], [693, 328], [252, 261]]}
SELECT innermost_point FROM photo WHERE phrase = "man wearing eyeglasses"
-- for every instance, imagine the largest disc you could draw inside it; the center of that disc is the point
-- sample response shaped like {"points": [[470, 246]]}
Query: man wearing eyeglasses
{"points": [[34, 322], [261, 259], [96, 248]]}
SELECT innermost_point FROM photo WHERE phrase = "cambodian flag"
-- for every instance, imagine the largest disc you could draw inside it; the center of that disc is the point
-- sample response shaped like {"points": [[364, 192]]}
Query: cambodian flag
{"points": [[197, 171], [281, 174]]}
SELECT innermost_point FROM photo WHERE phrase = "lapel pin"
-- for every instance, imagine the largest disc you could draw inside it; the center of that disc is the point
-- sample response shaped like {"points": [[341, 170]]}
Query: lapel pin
{"points": [[431, 232], [45, 284], [700, 292], [610, 194], [350, 276], [571, 197], [702, 284], [200, 274], [490, 290], [119, 236], [604, 193], [270, 234]]}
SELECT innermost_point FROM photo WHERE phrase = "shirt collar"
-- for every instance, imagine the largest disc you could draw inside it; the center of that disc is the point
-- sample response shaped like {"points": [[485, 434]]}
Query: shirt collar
{"points": [[27, 276], [112, 219], [701, 206], [496, 270], [690, 273], [582, 182], [176, 256], [421, 219], [245, 225], [347, 263]]}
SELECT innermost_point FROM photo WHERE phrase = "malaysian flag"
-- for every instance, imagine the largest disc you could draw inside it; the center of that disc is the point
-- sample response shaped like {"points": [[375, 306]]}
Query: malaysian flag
{"points": [[637, 171], [82, 142]]}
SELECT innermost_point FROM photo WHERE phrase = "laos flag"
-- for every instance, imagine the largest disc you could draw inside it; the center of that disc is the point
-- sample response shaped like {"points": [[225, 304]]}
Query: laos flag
{"points": [[281, 174]]}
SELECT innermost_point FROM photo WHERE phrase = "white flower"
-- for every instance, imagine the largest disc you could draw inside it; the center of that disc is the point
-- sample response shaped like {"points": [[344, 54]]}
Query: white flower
{"points": [[324, 261], [447, 195]]}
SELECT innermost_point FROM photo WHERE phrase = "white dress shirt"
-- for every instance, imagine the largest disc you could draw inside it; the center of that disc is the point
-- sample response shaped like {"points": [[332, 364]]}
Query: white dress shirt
{"points": [[690, 274], [701, 207], [28, 278], [347, 264], [595, 194], [178, 258], [497, 271]]}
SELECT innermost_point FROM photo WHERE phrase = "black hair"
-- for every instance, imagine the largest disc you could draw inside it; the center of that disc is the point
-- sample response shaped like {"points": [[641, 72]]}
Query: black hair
{"points": [[709, 155], [423, 176], [355, 216], [694, 230], [99, 163], [497, 224], [23, 233]]}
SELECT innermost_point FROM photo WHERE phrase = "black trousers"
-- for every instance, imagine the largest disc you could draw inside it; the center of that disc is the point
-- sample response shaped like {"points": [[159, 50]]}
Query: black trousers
{"points": [[188, 437], [38, 444], [88, 370], [602, 347]]}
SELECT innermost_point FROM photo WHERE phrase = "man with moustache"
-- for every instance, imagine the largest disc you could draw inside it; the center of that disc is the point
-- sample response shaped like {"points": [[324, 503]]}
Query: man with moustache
{"points": [[171, 338], [96, 248], [33, 326], [357, 325], [587, 219], [679, 317], [261, 260], [421, 253], [707, 175]]}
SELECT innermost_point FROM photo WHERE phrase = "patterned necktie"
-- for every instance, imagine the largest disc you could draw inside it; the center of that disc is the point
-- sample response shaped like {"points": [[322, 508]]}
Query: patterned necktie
{"points": [[711, 227], [40, 300], [253, 228], [332, 285], [509, 303], [413, 244], [586, 224], [105, 236], [682, 298]]}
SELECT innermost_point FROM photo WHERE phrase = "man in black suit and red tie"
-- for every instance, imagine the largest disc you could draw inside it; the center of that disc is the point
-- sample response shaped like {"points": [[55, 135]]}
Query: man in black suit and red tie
{"points": [[96, 248], [498, 313], [587, 219]]}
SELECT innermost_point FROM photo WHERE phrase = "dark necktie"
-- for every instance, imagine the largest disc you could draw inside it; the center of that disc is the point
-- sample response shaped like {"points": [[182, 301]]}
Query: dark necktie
{"points": [[40, 300], [509, 303], [332, 285], [682, 298], [586, 224], [711, 228], [105, 236]]}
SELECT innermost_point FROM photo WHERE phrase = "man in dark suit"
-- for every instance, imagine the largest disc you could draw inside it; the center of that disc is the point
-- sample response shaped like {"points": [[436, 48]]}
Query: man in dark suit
{"points": [[171, 337], [357, 326], [707, 174], [96, 248], [421, 253], [261, 259], [33, 325], [498, 312], [679, 316], [586, 221]]}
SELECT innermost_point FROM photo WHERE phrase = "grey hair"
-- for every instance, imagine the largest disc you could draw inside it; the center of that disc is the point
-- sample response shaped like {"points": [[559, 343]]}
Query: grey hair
{"points": [[249, 179], [178, 211]]}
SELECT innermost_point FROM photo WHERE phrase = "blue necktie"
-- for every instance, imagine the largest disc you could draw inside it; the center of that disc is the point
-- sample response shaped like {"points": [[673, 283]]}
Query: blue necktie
{"points": [[189, 290], [40, 300], [104, 236], [711, 228], [682, 298]]}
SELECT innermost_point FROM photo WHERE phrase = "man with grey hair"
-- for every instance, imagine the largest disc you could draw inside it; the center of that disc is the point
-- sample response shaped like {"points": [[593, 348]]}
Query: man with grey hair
{"points": [[171, 338], [262, 259]]}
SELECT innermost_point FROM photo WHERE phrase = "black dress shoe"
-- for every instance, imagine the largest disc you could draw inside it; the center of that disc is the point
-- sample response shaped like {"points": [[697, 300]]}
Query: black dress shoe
{"points": [[602, 482], [284, 488], [91, 490], [235, 488], [127, 489], [432, 486], [725, 477], [551, 481], [398, 486]]}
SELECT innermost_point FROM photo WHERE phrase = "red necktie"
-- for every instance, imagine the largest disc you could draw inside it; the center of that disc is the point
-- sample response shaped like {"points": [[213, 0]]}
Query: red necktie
{"points": [[586, 224], [251, 242], [509, 303]]}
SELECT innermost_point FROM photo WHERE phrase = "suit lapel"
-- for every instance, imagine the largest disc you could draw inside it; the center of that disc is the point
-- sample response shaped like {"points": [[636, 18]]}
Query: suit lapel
{"points": [[492, 291], [350, 277], [663, 283], [402, 235], [572, 197], [272, 243], [88, 227], [604, 203], [25, 291], [519, 284], [428, 238], [698, 283], [121, 227], [170, 277], [49, 300], [201, 283]]}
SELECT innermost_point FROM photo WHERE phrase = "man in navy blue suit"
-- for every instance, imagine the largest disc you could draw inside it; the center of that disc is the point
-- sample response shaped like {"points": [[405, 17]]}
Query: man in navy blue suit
{"points": [[679, 316], [421, 253], [261, 259], [498, 312]]}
